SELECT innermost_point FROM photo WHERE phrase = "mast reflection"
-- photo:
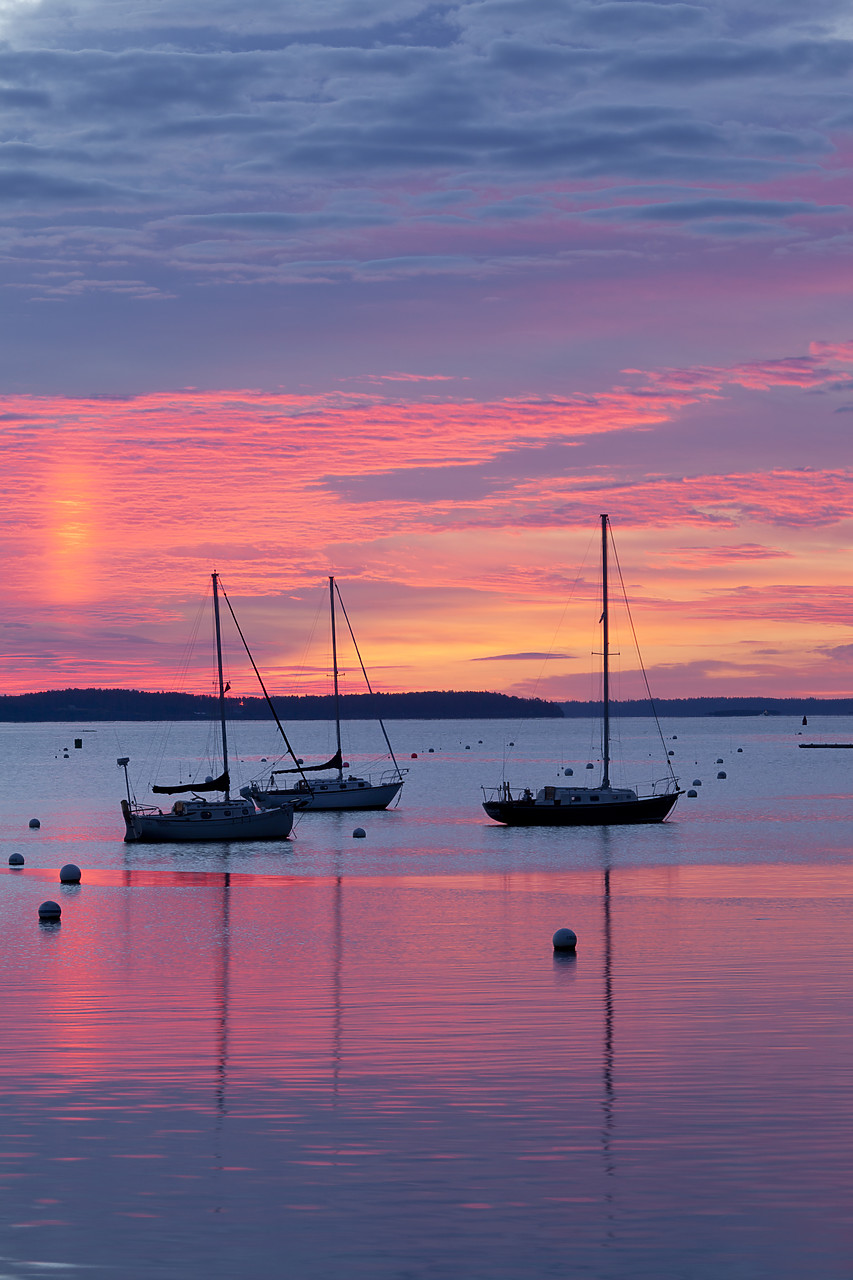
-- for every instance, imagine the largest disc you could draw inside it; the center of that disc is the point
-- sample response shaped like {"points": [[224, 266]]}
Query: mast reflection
{"points": [[222, 983]]}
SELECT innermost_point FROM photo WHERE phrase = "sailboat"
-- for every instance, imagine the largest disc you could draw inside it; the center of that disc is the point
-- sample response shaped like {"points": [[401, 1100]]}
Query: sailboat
{"points": [[334, 791], [199, 818], [586, 806]]}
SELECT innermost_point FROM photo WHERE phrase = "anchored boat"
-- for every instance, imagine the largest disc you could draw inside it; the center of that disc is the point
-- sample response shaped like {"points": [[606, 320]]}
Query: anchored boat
{"points": [[604, 805], [334, 791], [199, 818]]}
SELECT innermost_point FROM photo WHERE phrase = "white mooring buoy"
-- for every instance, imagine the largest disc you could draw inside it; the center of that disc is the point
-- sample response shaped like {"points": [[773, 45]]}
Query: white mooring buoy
{"points": [[50, 911], [69, 874], [565, 940], [16, 859], [359, 833]]}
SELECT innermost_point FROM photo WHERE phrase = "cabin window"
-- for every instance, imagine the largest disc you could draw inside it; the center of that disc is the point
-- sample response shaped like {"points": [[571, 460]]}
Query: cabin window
{"points": [[227, 813], [245, 810], [205, 813], [594, 798]]}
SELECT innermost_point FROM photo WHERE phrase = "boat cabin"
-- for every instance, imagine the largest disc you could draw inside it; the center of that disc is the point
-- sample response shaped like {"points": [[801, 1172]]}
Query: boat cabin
{"points": [[584, 795]]}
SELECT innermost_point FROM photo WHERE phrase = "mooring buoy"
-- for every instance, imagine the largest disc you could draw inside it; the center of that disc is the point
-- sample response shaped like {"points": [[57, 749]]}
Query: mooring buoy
{"points": [[69, 874], [359, 833], [50, 911], [691, 795], [16, 859], [565, 940], [34, 824]]}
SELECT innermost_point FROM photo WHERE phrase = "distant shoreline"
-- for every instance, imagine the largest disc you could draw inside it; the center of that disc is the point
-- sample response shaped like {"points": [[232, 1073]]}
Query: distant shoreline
{"points": [[74, 705], [669, 708]]}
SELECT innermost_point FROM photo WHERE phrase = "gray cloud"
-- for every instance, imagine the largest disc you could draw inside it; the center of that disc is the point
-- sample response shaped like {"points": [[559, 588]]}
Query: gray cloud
{"points": [[696, 210], [252, 121], [523, 657]]}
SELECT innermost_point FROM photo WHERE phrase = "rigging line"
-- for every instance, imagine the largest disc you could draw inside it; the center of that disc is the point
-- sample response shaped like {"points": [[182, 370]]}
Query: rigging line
{"points": [[263, 686], [640, 659], [366, 677]]}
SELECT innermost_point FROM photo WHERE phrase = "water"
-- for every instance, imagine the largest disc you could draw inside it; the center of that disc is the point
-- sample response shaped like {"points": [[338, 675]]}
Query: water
{"points": [[361, 1057]]}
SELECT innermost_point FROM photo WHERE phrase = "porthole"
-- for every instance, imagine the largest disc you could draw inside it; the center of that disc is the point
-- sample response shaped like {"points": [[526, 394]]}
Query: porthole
{"points": [[205, 813]]}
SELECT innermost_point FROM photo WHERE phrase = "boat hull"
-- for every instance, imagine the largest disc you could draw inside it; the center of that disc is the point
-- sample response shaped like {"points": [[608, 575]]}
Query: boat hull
{"points": [[192, 828], [532, 813], [334, 799]]}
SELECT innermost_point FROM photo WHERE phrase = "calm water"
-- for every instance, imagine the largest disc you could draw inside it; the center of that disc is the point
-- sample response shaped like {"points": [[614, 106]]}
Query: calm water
{"points": [[361, 1057]]}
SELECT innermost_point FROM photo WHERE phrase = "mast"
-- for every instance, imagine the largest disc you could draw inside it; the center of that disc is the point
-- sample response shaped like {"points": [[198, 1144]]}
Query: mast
{"points": [[215, 580], [605, 691], [335, 675]]}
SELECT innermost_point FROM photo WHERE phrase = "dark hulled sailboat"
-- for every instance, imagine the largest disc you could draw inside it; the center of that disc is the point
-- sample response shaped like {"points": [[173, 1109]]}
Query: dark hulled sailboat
{"points": [[560, 806]]}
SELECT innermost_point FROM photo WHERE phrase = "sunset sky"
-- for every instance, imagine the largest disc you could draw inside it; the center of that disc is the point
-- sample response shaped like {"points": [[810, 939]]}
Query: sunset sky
{"points": [[410, 293]]}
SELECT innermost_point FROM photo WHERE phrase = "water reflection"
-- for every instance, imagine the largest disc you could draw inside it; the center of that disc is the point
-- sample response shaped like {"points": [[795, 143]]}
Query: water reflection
{"points": [[382, 1075]]}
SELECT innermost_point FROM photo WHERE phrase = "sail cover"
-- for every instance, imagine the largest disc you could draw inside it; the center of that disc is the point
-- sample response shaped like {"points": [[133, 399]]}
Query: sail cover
{"points": [[222, 783], [336, 762]]}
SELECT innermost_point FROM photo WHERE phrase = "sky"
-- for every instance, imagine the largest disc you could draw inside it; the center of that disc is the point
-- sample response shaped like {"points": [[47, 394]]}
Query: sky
{"points": [[410, 294]]}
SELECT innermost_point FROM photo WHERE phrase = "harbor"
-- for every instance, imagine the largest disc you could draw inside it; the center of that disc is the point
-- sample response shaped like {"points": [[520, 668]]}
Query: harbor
{"points": [[364, 1055]]}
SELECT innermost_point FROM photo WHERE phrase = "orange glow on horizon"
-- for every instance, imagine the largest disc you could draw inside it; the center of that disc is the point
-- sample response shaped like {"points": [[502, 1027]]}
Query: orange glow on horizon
{"points": [[461, 531]]}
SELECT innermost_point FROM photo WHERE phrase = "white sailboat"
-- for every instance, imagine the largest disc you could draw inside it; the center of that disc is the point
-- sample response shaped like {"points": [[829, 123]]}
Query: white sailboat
{"points": [[599, 806], [200, 818], [333, 790]]}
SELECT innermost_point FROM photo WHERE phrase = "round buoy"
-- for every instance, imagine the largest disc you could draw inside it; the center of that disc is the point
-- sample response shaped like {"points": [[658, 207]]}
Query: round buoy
{"points": [[480, 742], [34, 824], [565, 940], [263, 759], [670, 753], [697, 782], [721, 774], [16, 859], [719, 759], [345, 764], [69, 874], [467, 748], [691, 795], [431, 750], [675, 737], [50, 911], [359, 833], [590, 766], [414, 755], [740, 749], [568, 773], [512, 744]]}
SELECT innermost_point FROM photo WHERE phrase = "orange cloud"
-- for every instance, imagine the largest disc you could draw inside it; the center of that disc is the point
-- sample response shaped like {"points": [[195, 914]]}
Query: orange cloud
{"points": [[462, 522]]}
